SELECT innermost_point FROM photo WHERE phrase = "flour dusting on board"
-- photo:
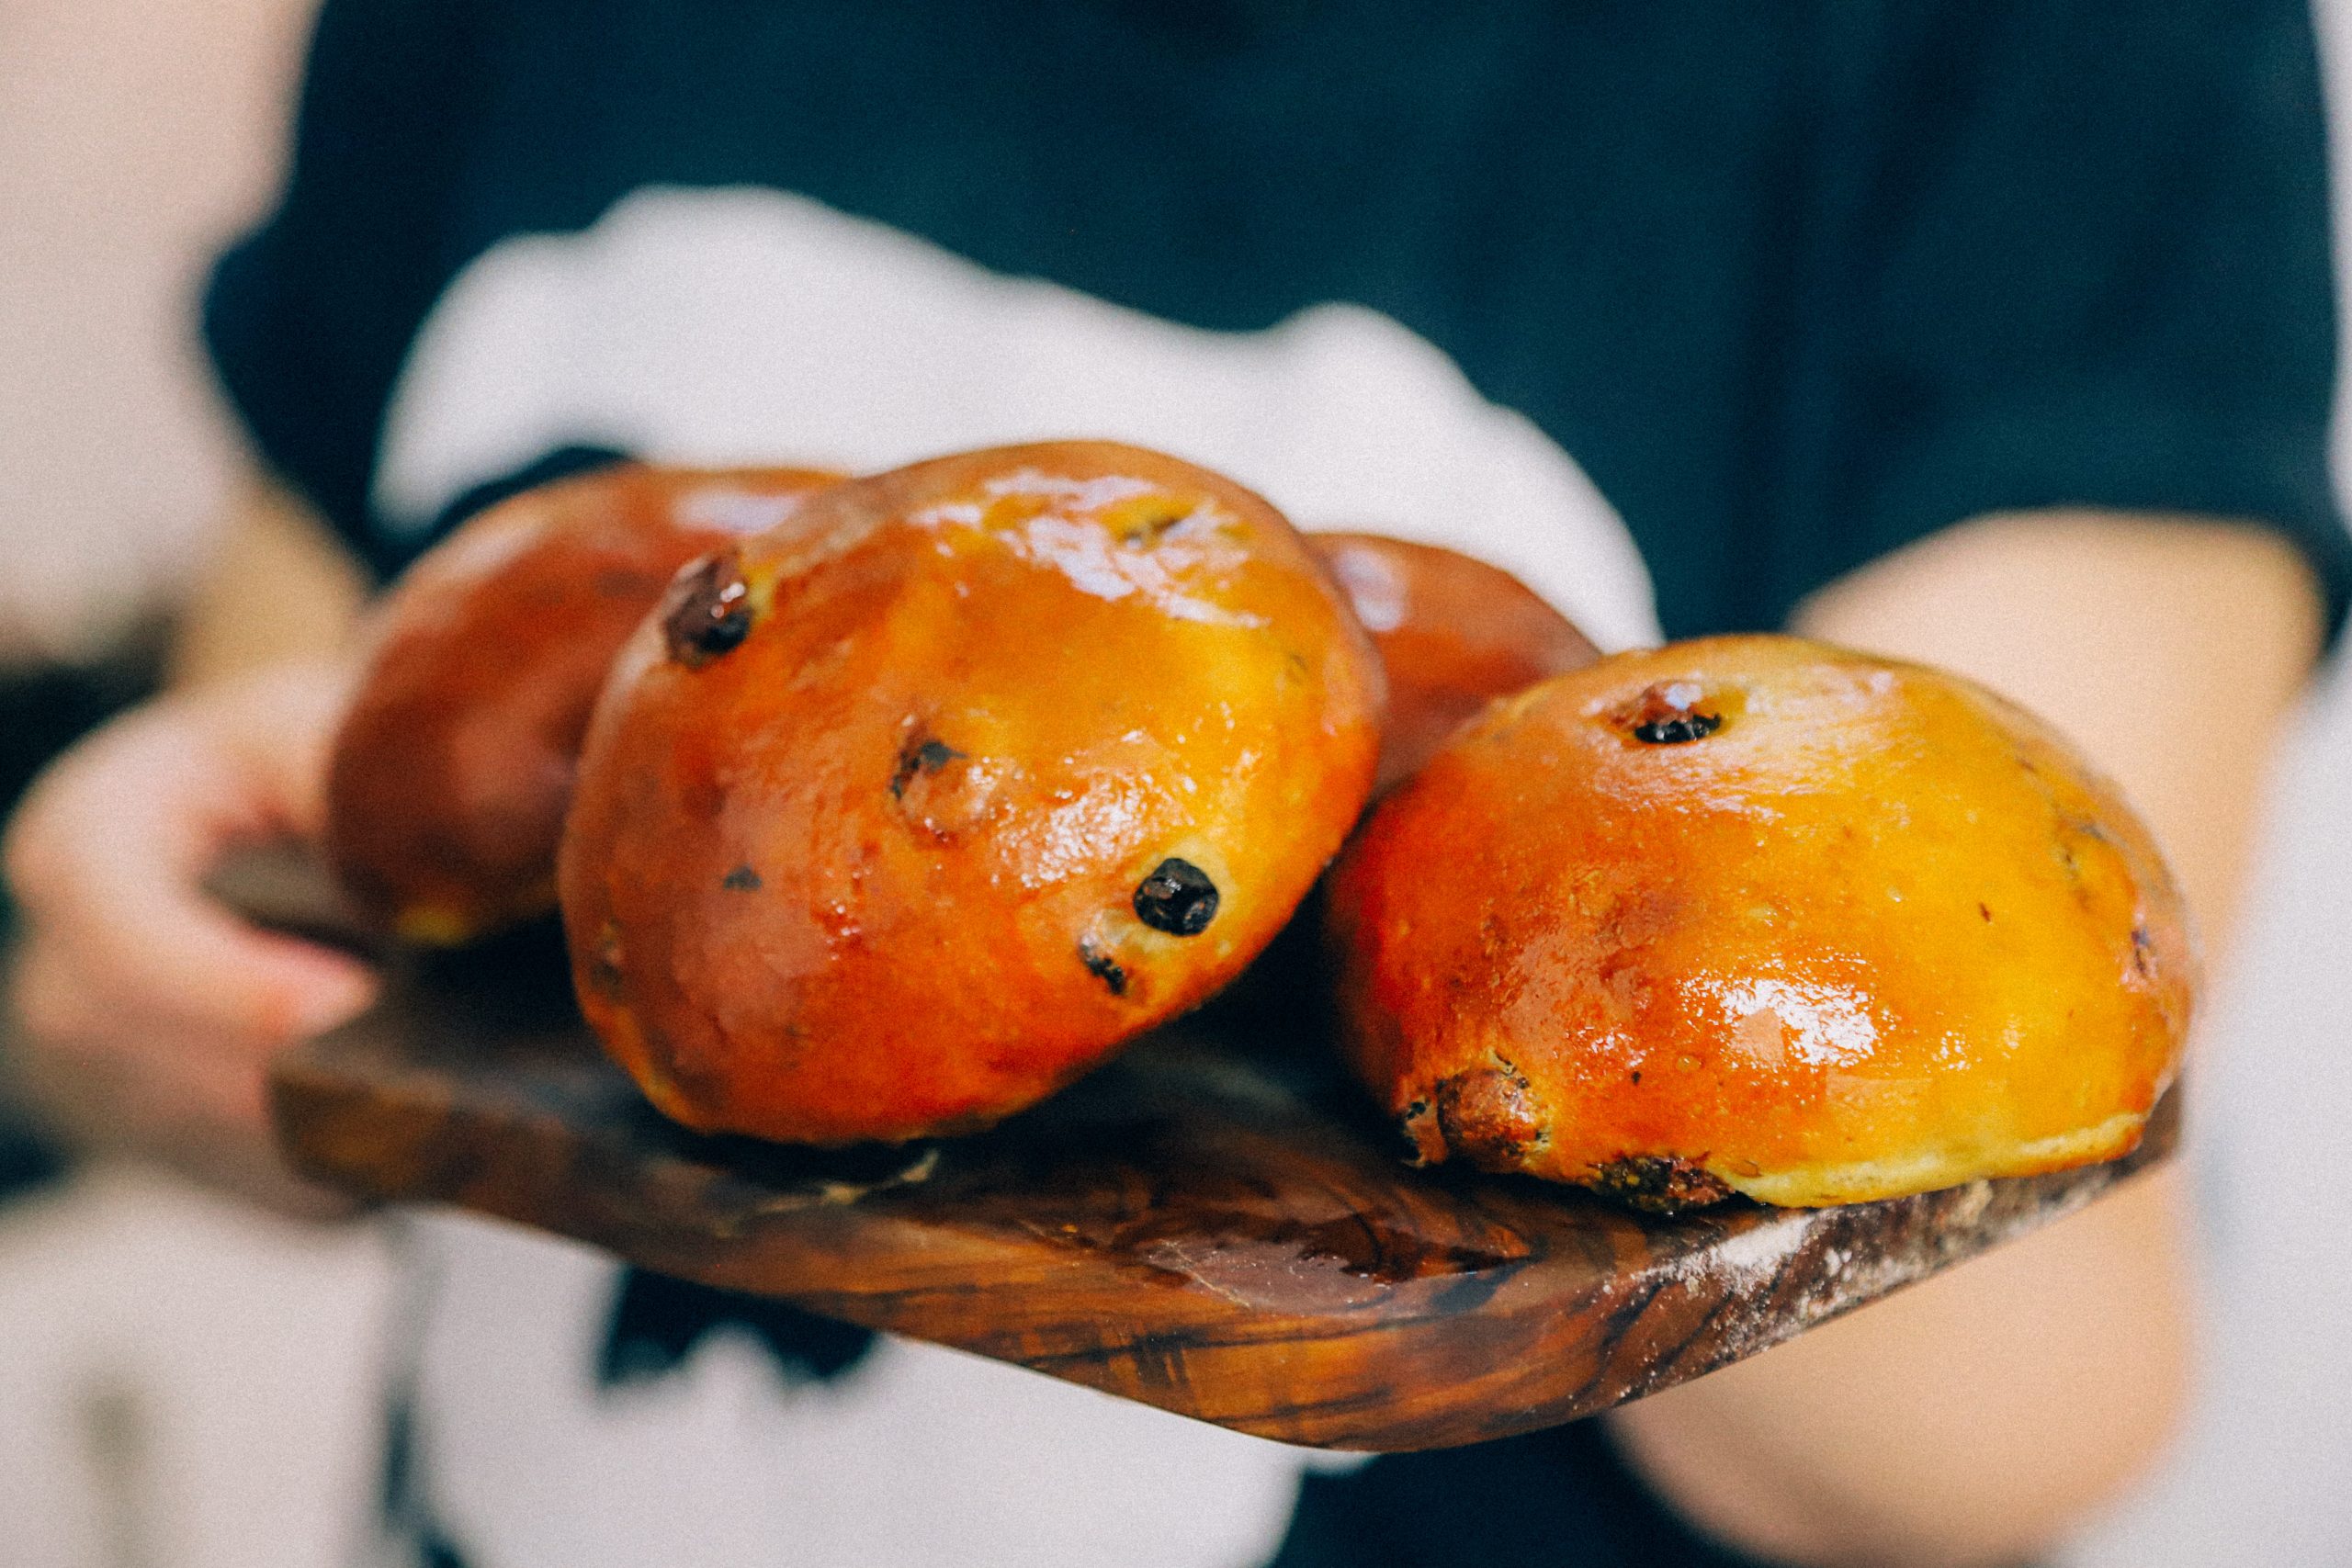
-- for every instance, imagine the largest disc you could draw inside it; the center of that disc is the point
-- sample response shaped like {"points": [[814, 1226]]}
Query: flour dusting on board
{"points": [[1748, 1258]]}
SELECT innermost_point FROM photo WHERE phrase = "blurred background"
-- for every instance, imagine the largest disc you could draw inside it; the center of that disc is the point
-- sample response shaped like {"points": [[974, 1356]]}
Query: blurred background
{"points": [[183, 1384]]}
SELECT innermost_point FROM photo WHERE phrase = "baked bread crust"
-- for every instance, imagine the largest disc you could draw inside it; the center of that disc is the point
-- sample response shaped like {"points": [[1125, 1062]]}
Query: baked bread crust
{"points": [[453, 768], [1757, 915], [1454, 634], [891, 824]]}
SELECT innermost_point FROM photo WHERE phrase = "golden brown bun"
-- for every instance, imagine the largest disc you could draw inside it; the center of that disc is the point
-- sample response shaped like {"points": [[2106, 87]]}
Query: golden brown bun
{"points": [[450, 778], [1755, 915], [892, 824], [1454, 634]]}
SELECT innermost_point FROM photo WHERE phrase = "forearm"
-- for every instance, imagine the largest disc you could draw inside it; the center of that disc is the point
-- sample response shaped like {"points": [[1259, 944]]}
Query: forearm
{"points": [[1975, 1418], [278, 588]]}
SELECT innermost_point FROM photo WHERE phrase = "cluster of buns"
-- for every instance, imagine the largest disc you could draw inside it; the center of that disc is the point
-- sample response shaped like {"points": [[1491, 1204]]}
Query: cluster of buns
{"points": [[879, 808]]}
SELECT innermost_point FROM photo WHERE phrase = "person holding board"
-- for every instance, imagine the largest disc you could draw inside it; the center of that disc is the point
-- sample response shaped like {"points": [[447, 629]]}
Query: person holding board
{"points": [[1994, 335]]}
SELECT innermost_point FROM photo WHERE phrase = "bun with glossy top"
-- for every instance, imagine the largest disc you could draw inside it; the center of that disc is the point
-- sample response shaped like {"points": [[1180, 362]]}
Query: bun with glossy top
{"points": [[1755, 915], [890, 824]]}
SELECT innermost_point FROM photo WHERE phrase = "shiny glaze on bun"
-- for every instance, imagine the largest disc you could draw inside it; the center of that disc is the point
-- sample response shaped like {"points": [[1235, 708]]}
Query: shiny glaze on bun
{"points": [[1454, 634], [891, 824], [450, 775], [1755, 915]]}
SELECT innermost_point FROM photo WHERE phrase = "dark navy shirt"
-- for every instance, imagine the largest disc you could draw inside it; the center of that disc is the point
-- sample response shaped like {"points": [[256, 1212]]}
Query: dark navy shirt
{"points": [[1796, 283]]}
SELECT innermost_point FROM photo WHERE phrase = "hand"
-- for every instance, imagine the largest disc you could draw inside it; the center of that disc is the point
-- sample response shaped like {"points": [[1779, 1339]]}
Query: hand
{"points": [[146, 1012]]}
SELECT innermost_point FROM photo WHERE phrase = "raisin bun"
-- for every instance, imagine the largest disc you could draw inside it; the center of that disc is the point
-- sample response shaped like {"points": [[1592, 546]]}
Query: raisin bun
{"points": [[1755, 915], [451, 773], [893, 822], [1454, 634]]}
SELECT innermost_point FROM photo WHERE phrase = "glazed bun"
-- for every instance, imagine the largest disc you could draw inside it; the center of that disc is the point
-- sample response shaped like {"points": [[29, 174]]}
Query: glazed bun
{"points": [[1755, 915], [449, 777], [1454, 634], [892, 823]]}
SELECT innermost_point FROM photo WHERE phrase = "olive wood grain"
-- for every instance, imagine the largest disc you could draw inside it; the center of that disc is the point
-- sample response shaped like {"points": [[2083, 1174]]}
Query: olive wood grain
{"points": [[1215, 1231]]}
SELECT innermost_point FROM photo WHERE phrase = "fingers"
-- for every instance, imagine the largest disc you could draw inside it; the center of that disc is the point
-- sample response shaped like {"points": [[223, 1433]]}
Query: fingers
{"points": [[148, 1012], [137, 1086], [154, 950], [131, 1088], [110, 854]]}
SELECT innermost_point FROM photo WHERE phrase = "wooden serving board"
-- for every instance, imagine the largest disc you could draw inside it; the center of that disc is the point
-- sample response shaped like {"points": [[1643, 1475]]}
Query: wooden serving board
{"points": [[1220, 1231]]}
